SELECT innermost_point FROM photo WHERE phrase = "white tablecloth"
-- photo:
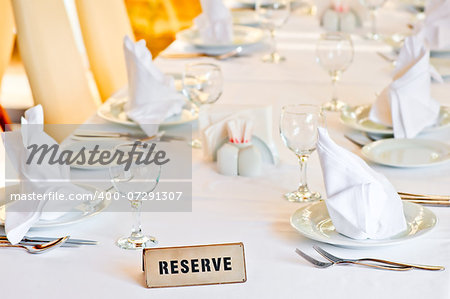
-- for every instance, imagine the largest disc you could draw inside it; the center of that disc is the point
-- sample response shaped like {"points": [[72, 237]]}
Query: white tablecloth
{"points": [[251, 210]]}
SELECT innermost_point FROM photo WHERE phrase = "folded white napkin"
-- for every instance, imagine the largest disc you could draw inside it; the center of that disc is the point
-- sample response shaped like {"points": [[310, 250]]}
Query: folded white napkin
{"points": [[436, 26], [215, 23], [361, 202], [406, 104], [152, 95], [213, 121], [38, 178]]}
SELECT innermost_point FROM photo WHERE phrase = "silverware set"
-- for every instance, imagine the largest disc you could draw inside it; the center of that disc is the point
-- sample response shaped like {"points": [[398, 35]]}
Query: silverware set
{"points": [[161, 136], [367, 262], [36, 245]]}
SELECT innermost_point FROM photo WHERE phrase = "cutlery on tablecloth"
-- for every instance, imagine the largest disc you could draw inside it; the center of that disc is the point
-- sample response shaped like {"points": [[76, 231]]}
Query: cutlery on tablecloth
{"points": [[139, 137], [40, 248], [223, 56], [47, 239], [379, 262], [323, 265]]}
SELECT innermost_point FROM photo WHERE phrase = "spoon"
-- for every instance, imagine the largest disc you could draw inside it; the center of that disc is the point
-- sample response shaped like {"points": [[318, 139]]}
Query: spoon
{"points": [[40, 248]]}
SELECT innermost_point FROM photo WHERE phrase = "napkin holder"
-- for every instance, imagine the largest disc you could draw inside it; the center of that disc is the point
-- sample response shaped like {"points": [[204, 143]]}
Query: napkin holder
{"points": [[216, 116], [239, 159]]}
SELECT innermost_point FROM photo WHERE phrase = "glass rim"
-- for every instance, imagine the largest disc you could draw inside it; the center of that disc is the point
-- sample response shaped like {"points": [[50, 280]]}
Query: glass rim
{"points": [[193, 64], [318, 109], [343, 35]]}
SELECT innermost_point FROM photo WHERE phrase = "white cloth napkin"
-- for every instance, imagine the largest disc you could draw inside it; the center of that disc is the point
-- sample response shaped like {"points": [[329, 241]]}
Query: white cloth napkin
{"points": [[40, 179], [406, 104], [436, 26], [362, 203], [152, 95], [215, 24]]}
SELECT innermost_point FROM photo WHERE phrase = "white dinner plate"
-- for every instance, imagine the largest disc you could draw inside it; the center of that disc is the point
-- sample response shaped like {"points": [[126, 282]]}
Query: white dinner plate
{"points": [[407, 152], [358, 118], [113, 110], [245, 17], [242, 36], [314, 222], [442, 65], [79, 213]]}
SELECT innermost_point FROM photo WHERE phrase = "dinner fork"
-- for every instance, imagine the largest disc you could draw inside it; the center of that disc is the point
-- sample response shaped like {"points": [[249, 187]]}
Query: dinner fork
{"points": [[323, 265], [338, 260]]}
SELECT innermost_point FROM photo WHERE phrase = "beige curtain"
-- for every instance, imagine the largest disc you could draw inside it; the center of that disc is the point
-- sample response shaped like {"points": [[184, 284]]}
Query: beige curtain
{"points": [[104, 23], [6, 35], [53, 64]]}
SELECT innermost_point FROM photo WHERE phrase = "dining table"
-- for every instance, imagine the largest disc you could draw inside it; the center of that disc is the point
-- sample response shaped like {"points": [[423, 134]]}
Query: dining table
{"points": [[252, 210]]}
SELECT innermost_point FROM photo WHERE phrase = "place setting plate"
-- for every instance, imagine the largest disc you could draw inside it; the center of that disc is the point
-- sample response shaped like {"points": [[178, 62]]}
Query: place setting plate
{"points": [[357, 118], [77, 214], [314, 222], [113, 111], [242, 36], [407, 153]]}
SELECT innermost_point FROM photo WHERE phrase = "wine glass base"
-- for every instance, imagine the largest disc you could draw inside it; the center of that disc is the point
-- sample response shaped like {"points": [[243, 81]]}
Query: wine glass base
{"points": [[334, 106], [373, 36], [302, 196], [273, 58], [196, 143], [133, 244]]}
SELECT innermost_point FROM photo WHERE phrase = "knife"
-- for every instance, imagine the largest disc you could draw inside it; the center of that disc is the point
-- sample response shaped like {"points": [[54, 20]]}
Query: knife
{"points": [[47, 239]]}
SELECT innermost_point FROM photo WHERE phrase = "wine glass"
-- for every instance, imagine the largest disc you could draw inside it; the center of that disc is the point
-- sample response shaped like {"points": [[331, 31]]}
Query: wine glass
{"points": [[373, 6], [299, 132], [133, 183], [334, 52], [202, 84], [272, 14]]}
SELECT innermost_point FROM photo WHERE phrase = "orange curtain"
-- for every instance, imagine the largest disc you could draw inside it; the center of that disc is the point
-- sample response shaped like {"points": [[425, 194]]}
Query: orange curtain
{"points": [[158, 21]]}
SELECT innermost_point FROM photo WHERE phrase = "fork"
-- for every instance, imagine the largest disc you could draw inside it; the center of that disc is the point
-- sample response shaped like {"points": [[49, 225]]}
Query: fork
{"points": [[338, 260], [323, 265]]}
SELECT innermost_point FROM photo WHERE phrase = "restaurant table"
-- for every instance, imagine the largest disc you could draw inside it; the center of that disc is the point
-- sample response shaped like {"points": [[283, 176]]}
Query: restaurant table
{"points": [[253, 210]]}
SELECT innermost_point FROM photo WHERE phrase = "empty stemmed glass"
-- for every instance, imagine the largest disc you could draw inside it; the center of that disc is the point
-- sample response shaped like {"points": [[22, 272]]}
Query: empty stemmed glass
{"points": [[299, 132], [334, 52], [202, 84], [133, 183], [373, 6], [273, 14]]}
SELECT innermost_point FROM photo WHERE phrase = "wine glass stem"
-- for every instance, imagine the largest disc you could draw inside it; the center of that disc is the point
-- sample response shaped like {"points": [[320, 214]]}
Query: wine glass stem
{"points": [[303, 159], [334, 81], [136, 231], [274, 42], [373, 17]]}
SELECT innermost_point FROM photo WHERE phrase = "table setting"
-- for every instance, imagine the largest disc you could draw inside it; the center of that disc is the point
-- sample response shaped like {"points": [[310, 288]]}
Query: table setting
{"points": [[235, 134]]}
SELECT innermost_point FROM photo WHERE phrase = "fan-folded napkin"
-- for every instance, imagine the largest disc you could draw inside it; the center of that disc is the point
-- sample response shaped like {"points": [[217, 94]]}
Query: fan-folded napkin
{"points": [[362, 203], [215, 24], [152, 95], [406, 104], [39, 178]]}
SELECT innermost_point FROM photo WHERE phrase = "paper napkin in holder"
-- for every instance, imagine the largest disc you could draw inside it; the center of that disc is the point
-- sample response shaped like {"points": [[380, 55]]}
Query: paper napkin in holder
{"points": [[152, 95], [213, 120], [406, 104], [362, 203], [215, 24], [38, 178], [239, 156]]}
